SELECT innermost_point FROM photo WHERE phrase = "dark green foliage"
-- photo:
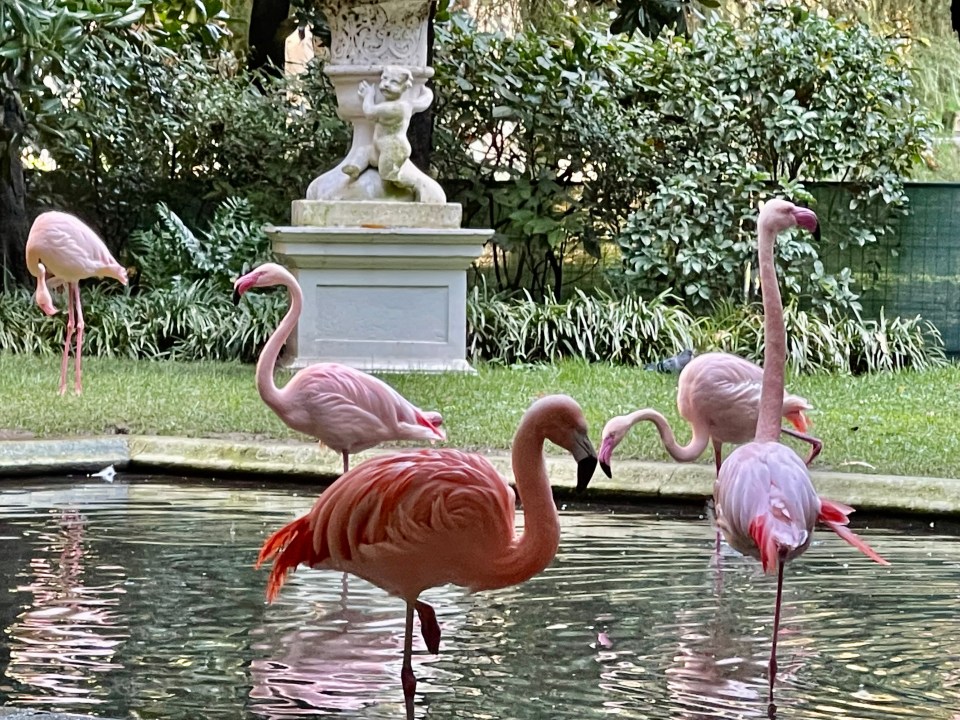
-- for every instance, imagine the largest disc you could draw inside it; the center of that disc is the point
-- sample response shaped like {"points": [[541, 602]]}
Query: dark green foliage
{"points": [[761, 108], [634, 332], [188, 132], [532, 140], [232, 245], [179, 305]]}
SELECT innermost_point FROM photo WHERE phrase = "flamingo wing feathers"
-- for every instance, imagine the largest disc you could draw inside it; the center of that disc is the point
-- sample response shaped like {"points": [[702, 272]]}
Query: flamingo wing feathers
{"points": [[399, 521], [69, 248], [349, 409], [765, 502]]}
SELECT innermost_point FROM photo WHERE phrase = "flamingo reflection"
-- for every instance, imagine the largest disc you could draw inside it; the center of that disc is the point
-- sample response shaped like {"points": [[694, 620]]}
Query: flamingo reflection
{"points": [[63, 644]]}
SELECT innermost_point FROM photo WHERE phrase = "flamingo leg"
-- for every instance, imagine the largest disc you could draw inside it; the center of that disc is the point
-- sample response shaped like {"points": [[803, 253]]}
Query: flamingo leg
{"points": [[772, 709], [71, 325], [77, 386], [718, 460], [346, 461], [816, 445], [407, 678], [429, 627]]}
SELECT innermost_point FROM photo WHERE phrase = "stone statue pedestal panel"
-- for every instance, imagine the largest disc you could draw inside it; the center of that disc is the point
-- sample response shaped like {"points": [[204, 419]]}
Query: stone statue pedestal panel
{"points": [[384, 284]]}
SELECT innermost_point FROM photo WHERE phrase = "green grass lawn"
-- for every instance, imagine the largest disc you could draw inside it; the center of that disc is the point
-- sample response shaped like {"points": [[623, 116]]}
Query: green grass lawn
{"points": [[896, 423]]}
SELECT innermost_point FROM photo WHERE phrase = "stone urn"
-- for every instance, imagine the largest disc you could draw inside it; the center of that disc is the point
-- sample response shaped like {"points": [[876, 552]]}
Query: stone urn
{"points": [[368, 36], [377, 249]]}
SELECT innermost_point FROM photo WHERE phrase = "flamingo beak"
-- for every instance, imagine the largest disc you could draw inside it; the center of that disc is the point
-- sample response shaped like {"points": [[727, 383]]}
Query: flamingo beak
{"points": [[586, 458], [807, 219], [585, 470], [242, 285], [605, 455]]}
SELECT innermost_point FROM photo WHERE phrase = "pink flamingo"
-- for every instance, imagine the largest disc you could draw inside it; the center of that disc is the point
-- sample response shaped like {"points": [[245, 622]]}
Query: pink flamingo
{"points": [[345, 409], [765, 504], [416, 520], [63, 250], [719, 395]]}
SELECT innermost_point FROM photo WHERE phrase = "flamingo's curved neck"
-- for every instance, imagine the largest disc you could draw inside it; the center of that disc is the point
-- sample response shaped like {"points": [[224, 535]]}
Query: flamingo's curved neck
{"points": [[537, 545], [681, 453], [271, 351], [774, 341]]}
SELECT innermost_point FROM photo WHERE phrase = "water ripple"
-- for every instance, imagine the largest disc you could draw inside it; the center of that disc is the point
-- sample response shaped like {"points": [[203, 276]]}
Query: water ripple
{"points": [[139, 599]]}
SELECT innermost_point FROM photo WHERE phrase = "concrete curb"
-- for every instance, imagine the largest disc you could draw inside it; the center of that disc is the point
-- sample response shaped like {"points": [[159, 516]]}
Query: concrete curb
{"points": [[632, 481]]}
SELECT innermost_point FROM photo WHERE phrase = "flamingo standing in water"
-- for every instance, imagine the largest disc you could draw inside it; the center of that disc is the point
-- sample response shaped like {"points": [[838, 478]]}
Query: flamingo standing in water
{"points": [[765, 504], [416, 520], [719, 395], [345, 409], [63, 250]]}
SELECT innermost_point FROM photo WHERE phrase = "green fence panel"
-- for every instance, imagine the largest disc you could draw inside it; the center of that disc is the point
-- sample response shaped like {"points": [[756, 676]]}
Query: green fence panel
{"points": [[915, 270]]}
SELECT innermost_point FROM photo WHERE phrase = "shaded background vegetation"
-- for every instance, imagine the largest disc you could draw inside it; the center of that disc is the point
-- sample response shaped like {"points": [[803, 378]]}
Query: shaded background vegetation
{"points": [[619, 171]]}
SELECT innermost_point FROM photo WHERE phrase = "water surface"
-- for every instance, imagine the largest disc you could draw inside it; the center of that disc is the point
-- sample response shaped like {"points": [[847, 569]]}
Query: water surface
{"points": [[138, 598]]}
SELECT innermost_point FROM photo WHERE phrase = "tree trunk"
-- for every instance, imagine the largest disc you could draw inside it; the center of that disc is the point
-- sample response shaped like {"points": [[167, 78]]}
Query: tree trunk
{"points": [[13, 211], [420, 132], [268, 31]]}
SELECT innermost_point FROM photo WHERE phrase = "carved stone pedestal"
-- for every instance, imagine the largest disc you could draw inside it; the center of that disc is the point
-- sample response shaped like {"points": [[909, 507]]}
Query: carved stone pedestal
{"points": [[387, 296]]}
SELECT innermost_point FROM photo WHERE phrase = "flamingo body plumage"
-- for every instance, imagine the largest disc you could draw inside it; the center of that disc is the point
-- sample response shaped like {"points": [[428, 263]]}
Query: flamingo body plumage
{"points": [[419, 519], [62, 249], [343, 408], [718, 394], [765, 504]]}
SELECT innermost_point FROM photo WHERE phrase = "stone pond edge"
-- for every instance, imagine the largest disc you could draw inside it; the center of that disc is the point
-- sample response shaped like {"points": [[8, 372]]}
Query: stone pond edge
{"points": [[635, 481]]}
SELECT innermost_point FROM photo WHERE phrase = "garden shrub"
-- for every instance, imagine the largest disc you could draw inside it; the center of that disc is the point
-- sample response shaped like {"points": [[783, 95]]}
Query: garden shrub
{"points": [[188, 132], [744, 112], [531, 139], [632, 331]]}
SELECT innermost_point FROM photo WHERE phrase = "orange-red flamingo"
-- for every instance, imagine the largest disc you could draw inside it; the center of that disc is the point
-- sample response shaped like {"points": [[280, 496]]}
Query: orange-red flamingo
{"points": [[719, 395], [345, 409], [765, 504], [415, 520], [63, 250]]}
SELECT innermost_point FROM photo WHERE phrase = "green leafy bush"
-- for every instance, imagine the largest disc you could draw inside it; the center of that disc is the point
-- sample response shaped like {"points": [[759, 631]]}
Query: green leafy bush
{"points": [[632, 331], [231, 246], [532, 140], [185, 131], [593, 327], [743, 112], [179, 305]]}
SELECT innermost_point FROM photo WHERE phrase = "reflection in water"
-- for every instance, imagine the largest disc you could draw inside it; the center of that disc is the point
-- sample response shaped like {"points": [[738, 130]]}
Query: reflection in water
{"points": [[322, 649], [140, 599], [68, 634]]}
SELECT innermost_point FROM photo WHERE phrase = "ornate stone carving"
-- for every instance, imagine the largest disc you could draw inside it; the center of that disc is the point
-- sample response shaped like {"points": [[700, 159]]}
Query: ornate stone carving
{"points": [[378, 32], [372, 40]]}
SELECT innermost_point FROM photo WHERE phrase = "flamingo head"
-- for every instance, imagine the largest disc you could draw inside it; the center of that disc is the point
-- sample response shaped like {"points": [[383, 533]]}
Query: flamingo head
{"points": [[613, 434], [266, 275], [779, 215], [561, 421]]}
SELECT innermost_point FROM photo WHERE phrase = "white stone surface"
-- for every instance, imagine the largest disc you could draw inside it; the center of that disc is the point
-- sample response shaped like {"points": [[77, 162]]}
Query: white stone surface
{"points": [[345, 213], [380, 298], [370, 41]]}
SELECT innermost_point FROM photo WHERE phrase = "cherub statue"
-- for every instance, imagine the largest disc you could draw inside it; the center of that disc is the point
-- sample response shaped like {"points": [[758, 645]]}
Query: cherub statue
{"points": [[390, 150]]}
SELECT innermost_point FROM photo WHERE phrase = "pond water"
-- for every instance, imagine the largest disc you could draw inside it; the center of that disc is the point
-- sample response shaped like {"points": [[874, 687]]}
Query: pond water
{"points": [[138, 598]]}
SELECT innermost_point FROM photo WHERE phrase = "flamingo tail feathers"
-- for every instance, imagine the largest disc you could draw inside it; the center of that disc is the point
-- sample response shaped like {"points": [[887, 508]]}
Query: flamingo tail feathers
{"points": [[287, 547], [763, 536], [835, 516]]}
